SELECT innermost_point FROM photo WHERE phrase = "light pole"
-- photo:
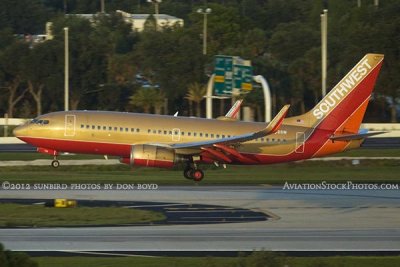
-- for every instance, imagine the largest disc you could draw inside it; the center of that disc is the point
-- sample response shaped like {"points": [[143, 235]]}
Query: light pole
{"points": [[324, 52], [102, 7], [66, 66], [205, 12], [156, 10]]}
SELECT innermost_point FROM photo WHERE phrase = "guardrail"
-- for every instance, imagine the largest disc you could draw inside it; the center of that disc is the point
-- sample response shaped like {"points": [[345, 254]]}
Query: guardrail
{"points": [[392, 129], [11, 121]]}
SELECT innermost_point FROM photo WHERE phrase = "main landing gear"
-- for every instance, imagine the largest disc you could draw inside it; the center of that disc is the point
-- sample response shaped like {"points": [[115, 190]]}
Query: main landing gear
{"points": [[55, 163], [191, 172]]}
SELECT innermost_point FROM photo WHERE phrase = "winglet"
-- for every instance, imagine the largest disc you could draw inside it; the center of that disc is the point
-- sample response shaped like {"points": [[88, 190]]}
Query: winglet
{"points": [[276, 122]]}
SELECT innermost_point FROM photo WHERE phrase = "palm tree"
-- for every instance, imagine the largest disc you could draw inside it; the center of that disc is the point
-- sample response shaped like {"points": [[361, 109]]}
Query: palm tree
{"points": [[146, 98], [196, 94]]}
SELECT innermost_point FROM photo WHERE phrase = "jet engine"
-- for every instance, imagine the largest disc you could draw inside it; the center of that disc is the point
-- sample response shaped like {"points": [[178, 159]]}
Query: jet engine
{"points": [[151, 156]]}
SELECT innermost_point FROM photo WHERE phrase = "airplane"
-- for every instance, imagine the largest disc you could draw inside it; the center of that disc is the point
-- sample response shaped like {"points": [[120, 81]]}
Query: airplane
{"points": [[332, 126]]}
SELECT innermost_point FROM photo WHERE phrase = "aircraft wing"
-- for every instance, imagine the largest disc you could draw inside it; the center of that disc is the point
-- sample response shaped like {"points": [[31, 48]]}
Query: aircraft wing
{"points": [[270, 128]]}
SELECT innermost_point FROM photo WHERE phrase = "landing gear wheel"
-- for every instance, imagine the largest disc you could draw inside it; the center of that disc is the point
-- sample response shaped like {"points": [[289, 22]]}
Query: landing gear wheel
{"points": [[198, 175], [55, 163], [188, 173]]}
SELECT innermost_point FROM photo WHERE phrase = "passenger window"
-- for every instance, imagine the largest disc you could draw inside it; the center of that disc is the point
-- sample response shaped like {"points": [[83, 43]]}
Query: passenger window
{"points": [[223, 136], [194, 134], [148, 131], [154, 131], [82, 126], [217, 135], [87, 126], [206, 134], [165, 132], [115, 128], [189, 133], [104, 128], [98, 127], [93, 127], [109, 128], [212, 135], [132, 130], [182, 133], [201, 134], [137, 130], [159, 131], [170, 132]]}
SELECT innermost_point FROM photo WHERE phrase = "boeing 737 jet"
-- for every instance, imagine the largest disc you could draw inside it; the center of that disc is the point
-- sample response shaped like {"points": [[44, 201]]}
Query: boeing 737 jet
{"points": [[332, 126]]}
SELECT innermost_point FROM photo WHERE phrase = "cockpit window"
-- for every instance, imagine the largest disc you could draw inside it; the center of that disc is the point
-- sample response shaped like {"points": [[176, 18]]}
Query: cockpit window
{"points": [[40, 122]]}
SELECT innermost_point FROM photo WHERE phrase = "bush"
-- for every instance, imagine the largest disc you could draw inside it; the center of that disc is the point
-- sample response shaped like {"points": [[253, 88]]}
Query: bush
{"points": [[15, 259]]}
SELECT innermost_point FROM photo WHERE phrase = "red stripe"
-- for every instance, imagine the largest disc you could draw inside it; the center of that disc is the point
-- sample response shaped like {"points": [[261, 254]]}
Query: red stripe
{"points": [[84, 147]]}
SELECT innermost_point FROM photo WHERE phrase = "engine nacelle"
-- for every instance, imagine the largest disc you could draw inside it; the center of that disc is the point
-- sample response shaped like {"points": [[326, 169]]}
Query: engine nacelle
{"points": [[151, 156]]}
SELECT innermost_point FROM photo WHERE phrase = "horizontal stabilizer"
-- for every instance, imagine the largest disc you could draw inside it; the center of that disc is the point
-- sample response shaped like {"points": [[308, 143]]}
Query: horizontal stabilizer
{"points": [[349, 137]]}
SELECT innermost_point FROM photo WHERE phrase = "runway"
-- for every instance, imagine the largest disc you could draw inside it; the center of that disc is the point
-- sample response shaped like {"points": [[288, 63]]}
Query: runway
{"points": [[299, 220]]}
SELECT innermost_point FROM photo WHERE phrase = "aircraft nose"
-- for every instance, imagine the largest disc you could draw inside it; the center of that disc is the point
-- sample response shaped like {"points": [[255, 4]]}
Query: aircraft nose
{"points": [[19, 131]]}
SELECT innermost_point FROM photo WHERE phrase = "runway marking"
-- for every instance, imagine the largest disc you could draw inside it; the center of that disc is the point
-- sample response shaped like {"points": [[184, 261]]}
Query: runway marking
{"points": [[205, 211], [256, 235], [239, 217], [104, 253], [219, 208], [156, 205]]}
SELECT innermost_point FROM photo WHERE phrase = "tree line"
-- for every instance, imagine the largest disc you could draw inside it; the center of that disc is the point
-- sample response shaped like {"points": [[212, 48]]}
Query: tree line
{"points": [[108, 61]]}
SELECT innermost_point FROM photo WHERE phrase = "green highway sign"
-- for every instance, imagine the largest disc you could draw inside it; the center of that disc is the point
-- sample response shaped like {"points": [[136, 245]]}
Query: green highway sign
{"points": [[232, 75], [223, 71]]}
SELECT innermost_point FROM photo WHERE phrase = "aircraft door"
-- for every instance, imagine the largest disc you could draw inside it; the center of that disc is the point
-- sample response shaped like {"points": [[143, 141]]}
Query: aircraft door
{"points": [[176, 134], [70, 125], [300, 142]]}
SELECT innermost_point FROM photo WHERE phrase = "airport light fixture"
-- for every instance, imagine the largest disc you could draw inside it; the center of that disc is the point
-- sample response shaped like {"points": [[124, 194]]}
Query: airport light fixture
{"points": [[156, 10], [156, 3], [324, 49], [66, 69], [204, 12]]}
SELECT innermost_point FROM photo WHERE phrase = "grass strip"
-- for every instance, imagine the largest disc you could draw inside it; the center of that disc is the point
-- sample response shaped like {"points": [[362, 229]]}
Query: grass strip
{"points": [[16, 215], [354, 261], [377, 171]]}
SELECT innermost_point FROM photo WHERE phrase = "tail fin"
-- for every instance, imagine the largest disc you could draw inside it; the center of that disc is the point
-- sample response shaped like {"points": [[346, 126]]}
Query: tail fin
{"points": [[344, 106]]}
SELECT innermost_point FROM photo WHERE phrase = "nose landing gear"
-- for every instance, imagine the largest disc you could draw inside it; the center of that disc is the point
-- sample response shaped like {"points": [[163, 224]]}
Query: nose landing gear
{"points": [[55, 163]]}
